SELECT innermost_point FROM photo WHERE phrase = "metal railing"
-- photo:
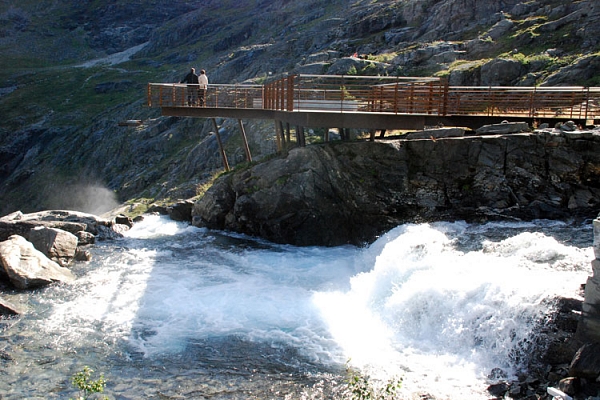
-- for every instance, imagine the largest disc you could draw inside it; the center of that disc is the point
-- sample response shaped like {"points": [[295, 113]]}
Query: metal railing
{"points": [[216, 96], [395, 95]]}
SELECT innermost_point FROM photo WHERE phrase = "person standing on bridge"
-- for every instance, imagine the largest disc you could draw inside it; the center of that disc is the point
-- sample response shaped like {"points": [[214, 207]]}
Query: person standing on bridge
{"points": [[192, 80], [203, 81]]}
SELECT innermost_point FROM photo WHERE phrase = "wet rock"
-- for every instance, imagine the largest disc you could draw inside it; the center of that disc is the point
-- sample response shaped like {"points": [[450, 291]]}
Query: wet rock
{"points": [[181, 211], [123, 220], [85, 238], [586, 363], [83, 255], [9, 309], [112, 232], [27, 267], [499, 389]]}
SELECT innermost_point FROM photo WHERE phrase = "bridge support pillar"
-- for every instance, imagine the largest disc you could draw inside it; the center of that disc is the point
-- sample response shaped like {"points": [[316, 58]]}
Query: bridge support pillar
{"points": [[300, 136], [221, 149], [246, 147]]}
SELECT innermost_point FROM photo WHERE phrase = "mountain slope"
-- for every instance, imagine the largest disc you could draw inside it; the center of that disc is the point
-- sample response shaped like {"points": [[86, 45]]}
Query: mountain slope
{"points": [[72, 70]]}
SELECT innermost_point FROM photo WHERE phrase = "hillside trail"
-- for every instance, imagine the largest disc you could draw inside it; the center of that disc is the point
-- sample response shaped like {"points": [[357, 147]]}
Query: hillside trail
{"points": [[113, 59]]}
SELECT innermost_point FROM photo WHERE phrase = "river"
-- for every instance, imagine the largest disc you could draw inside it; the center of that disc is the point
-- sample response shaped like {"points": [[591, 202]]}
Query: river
{"points": [[177, 312]]}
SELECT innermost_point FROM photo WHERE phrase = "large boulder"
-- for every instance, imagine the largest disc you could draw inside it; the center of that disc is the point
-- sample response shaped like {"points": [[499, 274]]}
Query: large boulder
{"points": [[58, 245], [27, 267]]}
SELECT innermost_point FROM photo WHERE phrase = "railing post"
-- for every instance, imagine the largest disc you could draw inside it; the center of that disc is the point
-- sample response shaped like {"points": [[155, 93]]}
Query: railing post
{"points": [[587, 103], [342, 90], [396, 87], [445, 95], [149, 94], [235, 96], [290, 93], [430, 100], [532, 102], [491, 96], [411, 98]]}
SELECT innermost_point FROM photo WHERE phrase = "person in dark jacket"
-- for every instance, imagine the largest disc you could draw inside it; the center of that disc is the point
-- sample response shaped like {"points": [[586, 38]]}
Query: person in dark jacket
{"points": [[192, 91]]}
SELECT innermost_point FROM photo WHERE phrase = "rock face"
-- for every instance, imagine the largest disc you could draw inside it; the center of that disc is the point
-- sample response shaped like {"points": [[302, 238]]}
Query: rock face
{"points": [[27, 267], [352, 192]]}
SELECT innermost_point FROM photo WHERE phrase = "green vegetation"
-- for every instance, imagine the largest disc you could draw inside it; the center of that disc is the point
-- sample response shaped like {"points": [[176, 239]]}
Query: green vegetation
{"points": [[362, 387], [82, 381]]}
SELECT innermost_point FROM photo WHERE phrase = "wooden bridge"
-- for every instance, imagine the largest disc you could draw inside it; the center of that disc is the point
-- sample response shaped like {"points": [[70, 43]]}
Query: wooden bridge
{"points": [[377, 103]]}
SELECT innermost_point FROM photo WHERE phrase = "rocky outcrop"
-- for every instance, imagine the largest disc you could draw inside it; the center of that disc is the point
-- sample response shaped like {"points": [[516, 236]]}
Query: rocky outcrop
{"points": [[29, 268], [35, 247], [18, 223], [352, 192]]}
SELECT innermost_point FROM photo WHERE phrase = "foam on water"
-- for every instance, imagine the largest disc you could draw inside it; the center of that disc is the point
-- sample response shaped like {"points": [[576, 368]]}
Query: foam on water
{"points": [[443, 318], [417, 303]]}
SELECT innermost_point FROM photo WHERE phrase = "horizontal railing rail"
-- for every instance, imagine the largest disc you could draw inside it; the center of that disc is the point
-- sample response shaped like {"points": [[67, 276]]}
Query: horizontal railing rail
{"points": [[390, 95]]}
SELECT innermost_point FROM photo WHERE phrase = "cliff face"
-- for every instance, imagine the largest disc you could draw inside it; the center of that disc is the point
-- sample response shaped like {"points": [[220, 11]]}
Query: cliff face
{"points": [[72, 70], [352, 192]]}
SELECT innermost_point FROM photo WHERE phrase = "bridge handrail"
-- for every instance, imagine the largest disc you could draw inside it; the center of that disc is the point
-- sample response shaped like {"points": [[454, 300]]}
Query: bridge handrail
{"points": [[396, 95]]}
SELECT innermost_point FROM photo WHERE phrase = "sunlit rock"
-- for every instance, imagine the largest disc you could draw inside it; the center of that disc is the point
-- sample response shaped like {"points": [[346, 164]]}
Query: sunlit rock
{"points": [[58, 245], [27, 267]]}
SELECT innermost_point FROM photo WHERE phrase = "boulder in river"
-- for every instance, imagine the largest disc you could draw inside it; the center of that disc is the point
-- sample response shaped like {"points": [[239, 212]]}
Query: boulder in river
{"points": [[27, 267]]}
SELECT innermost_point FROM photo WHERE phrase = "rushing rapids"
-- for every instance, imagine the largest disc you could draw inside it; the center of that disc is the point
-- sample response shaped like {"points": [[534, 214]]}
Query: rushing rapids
{"points": [[174, 311]]}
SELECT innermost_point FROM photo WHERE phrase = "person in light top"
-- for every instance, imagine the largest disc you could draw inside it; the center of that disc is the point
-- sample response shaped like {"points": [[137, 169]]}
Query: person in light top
{"points": [[203, 82]]}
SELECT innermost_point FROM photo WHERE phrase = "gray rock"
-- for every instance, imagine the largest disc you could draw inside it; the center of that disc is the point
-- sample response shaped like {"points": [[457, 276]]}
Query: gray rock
{"points": [[501, 72], [500, 29], [181, 211], [58, 245], [504, 128], [27, 267]]}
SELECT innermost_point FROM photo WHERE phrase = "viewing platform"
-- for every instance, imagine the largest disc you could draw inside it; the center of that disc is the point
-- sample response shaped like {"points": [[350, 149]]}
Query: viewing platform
{"points": [[366, 102]]}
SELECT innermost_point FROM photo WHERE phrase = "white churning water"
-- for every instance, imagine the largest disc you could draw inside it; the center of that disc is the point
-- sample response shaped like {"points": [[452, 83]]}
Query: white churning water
{"points": [[439, 305]]}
